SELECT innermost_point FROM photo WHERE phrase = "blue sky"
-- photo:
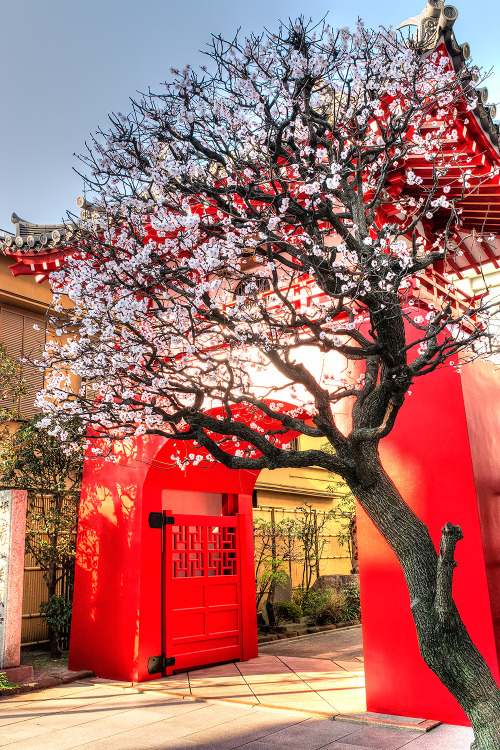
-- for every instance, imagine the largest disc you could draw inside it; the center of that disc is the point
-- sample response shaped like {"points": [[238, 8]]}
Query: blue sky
{"points": [[65, 64]]}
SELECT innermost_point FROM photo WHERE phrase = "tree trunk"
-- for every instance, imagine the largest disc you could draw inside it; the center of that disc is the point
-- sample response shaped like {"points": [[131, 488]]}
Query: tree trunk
{"points": [[272, 587], [353, 545], [55, 644], [51, 581], [443, 640]]}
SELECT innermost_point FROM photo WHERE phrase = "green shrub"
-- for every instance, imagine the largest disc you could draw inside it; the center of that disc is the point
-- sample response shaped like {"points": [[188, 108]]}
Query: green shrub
{"points": [[331, 605], [315, 604], [301, 596], [56, 612], [298, 596], [287, 612], [5, 684], [335, 607], [352, 602]]}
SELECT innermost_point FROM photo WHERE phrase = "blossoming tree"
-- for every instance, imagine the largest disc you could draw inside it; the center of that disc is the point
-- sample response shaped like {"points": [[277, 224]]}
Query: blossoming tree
{"points": [[257, 234]]}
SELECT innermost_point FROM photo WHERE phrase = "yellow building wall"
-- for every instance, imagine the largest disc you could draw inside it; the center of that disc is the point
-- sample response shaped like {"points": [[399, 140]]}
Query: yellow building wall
{"points": [[285, 490], [22, 291]]}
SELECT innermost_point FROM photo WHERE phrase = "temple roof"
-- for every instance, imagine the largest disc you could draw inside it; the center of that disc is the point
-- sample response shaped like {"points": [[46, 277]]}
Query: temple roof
{"points": [[39, 248], [473, 141]]}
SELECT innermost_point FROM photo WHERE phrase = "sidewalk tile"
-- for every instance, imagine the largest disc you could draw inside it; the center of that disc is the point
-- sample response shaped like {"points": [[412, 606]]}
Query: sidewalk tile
{"points": [[304, 664], [47, 708], [344, 745], [298, 691], [380, 738], [22, 731], [354, 667], [156, 704], [284, 677], [148, 737], [227, 692], [291, 686], [174, 682], [228, 736], [107, 729], [444, 737], [217, 681], [41, 695], [208, 716], [310, 734]]}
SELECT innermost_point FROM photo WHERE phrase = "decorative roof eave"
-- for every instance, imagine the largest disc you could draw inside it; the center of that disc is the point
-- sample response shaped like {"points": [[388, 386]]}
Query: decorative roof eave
{"points": [[434, 29], [30, 239], [40, 248]]}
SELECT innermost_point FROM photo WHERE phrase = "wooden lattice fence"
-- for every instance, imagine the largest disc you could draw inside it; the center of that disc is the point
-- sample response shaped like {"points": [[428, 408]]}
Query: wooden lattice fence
{"points": [[34, 629]]}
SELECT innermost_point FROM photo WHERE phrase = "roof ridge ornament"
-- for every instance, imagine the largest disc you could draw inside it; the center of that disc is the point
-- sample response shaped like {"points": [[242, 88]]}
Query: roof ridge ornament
{"points": [[433, 21]]}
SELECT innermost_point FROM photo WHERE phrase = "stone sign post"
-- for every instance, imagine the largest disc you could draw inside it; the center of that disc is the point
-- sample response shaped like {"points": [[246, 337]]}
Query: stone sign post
{"points": [[12, 537]]}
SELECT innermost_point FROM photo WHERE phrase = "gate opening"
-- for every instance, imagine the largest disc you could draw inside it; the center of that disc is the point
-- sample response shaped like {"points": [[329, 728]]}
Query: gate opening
{"points": [[165, 575]]}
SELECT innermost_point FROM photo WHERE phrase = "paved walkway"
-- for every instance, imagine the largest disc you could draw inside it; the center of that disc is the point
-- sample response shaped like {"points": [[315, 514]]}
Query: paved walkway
{"points": [[110, 717], [312, 685], [321, 673]]}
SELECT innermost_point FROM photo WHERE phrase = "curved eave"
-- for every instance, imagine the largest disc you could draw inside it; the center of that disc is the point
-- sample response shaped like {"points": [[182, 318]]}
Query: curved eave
{"points": [[480, 122], [38, 264]]}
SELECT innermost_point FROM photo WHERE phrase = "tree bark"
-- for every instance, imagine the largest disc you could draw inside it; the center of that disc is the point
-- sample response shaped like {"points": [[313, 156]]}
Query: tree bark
{"points": [[444, 643], [353, 545], [272, 587], [55, 644], [51, 580]]}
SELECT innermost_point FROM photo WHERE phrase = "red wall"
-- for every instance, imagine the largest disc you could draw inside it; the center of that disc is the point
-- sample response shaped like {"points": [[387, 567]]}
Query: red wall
{"points": [[429, 458], [481, 389], [111, 546]]}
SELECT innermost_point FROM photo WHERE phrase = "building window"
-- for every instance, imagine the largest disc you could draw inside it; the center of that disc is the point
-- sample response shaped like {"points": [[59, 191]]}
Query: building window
{"points": [[261, 282], [21, 339]]}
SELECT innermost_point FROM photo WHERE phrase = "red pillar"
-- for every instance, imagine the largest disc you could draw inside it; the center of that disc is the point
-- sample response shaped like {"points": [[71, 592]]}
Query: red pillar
{"points": [[443, 457], [117, 563], [248, 608]]}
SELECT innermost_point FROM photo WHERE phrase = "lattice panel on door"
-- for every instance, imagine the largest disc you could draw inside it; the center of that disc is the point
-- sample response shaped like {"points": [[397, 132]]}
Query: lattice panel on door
{"points": [[204, 550], [187, 551], [221, 551]]}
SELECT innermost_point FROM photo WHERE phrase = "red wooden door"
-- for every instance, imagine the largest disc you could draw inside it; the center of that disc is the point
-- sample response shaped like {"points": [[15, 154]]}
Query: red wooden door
{"points": [[202, 592]]}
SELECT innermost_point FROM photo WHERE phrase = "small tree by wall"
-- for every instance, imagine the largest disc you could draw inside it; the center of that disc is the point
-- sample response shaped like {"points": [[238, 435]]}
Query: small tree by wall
{"points": [[295, 541], [12, 385], [32, 459], [345, 513], [309, 533], [269, 560]]}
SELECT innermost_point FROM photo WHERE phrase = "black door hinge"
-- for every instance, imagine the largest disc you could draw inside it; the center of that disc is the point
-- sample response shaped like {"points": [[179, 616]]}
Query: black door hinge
{"points": [[158, 520], [159, 663]]}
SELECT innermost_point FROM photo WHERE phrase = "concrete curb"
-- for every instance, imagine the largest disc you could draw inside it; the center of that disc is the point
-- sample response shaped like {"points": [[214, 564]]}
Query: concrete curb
{"points": [[46, 682], [320, 630], [417, 725]]}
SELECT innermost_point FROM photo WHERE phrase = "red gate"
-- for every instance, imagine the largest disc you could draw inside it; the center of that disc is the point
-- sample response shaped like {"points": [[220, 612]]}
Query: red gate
{"points": [[202, 591]]}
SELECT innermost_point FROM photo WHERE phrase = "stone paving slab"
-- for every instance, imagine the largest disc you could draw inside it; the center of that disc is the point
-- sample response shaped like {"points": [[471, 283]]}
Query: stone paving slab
{"points": [[333, 689]]}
